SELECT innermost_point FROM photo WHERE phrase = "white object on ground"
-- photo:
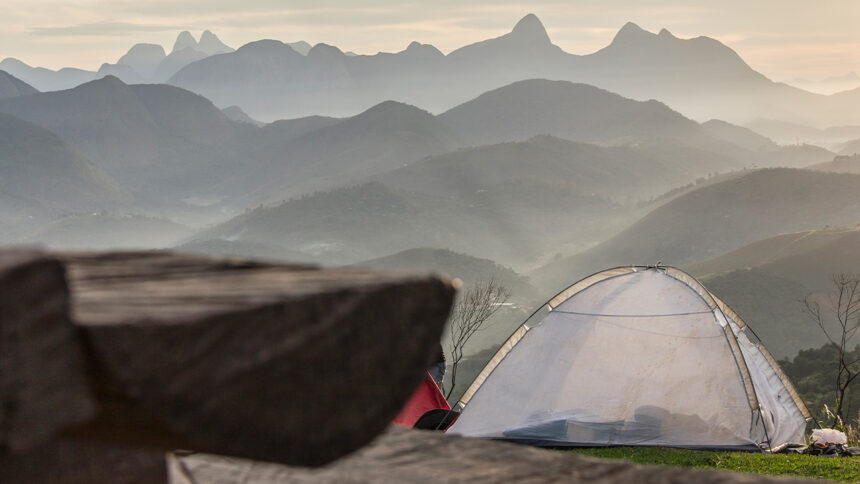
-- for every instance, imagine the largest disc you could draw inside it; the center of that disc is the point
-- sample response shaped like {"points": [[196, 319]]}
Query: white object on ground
{"points": [[828, 436]]}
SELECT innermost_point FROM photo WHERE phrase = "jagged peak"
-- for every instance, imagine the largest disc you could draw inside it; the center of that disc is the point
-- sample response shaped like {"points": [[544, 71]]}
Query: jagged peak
{"points": [[631, 31], [183, 41], [530, 26], [300, 46], [211, 44]]}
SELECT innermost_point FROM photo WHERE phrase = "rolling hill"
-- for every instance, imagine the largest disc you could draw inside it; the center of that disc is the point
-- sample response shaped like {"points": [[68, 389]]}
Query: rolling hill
{"points": [[468, 269], [42, 176], [623, 173], [317, 153], [372, 220], [577, 112], [234, 248], [739, 136], [767, 280], [718, 218], [153, 138], [850, 148], [106, 231], [840, 164], [580, 112], [11, 86], [347, 225]]}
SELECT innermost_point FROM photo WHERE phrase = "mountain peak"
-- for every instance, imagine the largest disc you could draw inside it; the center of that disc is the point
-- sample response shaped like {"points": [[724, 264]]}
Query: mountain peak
{"points": [[211, 44], [394, 111], [530, 27], [325, 51], [12, 62], [108, 80], [183, 41], [417, 49], [631, 32], [666, 34], [11, 86]]}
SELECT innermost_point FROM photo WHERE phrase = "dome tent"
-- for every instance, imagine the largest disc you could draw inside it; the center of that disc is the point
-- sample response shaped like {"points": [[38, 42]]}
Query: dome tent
{"points": [[638, 355]]}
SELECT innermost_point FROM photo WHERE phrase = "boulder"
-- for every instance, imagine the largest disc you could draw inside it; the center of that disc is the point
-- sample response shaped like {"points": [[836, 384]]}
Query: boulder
{"points": [[289, 364], [108, 360], [42, 380], [416, 456]]}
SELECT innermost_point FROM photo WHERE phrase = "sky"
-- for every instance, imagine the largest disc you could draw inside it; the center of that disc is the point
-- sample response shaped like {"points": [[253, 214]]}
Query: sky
{"points": [[783, 39]]}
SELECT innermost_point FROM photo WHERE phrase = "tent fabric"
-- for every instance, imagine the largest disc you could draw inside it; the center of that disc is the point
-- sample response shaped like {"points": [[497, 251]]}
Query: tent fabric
{"points": [[426, 397], [634, 356]]}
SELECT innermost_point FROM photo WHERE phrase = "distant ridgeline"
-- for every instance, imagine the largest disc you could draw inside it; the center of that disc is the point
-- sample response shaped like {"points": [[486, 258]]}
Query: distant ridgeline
{"points": [[272, 80], [471, 164]]}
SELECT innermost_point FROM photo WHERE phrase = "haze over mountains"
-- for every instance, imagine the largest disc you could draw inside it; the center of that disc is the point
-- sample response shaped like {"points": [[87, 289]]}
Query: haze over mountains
{"points": [[721, 217], [142, 63], [506, 158], [768, 280], [42, 176], [701, 77], [272, 80], [11, 86]]}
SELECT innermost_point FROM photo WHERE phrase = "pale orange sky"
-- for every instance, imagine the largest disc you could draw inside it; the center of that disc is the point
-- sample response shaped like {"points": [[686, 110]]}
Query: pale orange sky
{"points": [[783, 39]]}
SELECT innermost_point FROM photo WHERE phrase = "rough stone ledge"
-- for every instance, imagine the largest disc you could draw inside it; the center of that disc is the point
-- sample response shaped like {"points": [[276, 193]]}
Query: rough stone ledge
{"points": [[416, 456], [288, 364]]}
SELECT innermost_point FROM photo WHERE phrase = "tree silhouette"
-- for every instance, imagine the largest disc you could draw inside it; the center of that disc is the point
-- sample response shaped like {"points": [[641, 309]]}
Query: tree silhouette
{"points": [[473, 309], [845, 306]]}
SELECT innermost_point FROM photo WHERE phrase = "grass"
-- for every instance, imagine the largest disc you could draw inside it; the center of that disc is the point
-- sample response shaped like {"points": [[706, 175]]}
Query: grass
{"points": [[840, 469]]}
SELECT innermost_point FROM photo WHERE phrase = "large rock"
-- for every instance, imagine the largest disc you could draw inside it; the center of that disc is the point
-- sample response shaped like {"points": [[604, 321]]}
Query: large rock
{"points": [[279, 363], [75, 462], [109, 360], [42, 382], [429, 457]]}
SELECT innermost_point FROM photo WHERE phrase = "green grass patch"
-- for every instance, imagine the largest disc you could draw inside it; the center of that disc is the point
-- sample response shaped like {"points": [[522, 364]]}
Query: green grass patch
{"points": [[841, 469]]}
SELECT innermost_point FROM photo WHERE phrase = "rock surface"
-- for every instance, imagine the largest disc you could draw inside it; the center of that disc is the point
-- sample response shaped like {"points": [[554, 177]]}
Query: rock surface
{"points": [[107, 360], [417, 456], [70, 462], [287, 364], [42, 383]]}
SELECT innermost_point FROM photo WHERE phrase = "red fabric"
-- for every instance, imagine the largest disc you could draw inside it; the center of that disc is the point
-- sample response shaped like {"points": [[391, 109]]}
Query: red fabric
{"points": [[426, 397]]}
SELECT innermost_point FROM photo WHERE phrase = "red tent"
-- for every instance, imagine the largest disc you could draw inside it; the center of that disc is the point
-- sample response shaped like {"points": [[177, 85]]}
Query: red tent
{"points": [[426, 397]]}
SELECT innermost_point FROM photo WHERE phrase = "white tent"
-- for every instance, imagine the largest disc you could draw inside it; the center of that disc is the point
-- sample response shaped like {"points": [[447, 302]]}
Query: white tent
{"points": [[634, 356]]}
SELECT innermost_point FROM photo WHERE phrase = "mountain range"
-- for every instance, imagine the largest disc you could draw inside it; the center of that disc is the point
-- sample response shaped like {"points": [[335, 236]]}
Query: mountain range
{"points": [[717, 218], [11, 86], [157, 139], [269, 79], [43, 177], [700, 77], [179, 154], [767, 281], [167, 143], [143, 63], [501, 156]]}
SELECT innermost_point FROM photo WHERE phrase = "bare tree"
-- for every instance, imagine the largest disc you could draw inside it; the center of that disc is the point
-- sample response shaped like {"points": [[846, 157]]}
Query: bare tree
{"points": [[473, 308], [845, 306]]}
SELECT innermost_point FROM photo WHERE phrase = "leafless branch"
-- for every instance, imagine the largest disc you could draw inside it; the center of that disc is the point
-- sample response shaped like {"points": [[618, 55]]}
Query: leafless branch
{"points": [[474, 307], [845, 307]]}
